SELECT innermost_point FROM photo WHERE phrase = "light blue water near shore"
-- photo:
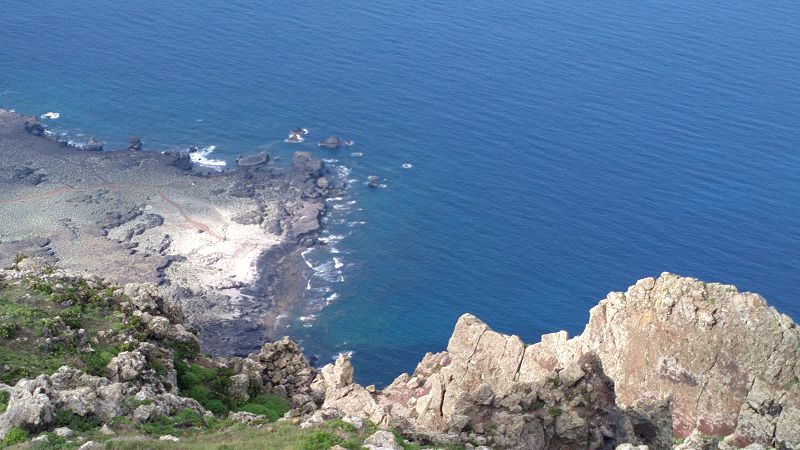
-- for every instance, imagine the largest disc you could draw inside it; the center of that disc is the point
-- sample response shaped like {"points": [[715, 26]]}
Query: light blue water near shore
{"points": [[560, 149]]}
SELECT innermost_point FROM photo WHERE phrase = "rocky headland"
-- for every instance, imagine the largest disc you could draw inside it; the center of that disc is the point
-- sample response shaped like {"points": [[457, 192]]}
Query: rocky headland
{"points": [[225, 245], [671, 363], [672, 356]]}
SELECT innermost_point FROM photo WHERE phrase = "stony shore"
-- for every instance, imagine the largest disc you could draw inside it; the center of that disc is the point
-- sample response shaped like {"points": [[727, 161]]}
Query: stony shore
{"points": [[225, 245]]}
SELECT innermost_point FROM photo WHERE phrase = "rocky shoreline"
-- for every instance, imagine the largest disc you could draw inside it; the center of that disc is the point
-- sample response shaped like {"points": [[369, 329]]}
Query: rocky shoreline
{"points": [[224, 245], [638, 378]]}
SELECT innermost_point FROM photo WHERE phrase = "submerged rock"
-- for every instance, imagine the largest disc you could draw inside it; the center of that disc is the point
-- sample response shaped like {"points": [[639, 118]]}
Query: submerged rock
{"points": [[334, 142], [253, 160]]}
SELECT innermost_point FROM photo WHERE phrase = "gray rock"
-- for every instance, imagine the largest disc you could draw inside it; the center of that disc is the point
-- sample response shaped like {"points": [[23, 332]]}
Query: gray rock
{"points": [[382, 440], [64, 432], [247, 418]]}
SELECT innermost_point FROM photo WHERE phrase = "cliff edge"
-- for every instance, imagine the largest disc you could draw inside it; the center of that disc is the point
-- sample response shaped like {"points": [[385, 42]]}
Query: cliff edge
{"points": [[671, 354]]}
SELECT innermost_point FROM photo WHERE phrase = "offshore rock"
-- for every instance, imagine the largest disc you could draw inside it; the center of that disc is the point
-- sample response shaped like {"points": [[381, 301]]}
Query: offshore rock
{"points": [[253, 160]]}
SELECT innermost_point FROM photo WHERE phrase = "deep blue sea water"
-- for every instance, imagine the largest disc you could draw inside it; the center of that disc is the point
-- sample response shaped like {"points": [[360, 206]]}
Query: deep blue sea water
{"points": [[561, 150]]}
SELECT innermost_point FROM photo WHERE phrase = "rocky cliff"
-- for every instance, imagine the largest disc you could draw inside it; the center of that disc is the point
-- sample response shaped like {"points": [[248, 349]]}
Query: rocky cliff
{"points": [[670, 354], [671, 357]]}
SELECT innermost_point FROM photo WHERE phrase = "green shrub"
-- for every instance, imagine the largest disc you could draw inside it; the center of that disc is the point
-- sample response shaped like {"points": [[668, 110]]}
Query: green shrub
{"points": [[272, 406], [4, 396], [216, 406], [64, 418], [95, 362], [187, 418], [320, 440], [14, 436], [159, 425], [207, 386], [8, 329], [72, 316]]}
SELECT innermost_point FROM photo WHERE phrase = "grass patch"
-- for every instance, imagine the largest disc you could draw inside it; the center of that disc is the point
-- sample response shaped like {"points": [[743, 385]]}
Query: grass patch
{"points": [[4, 397], [272, 406], [210, 386], [183, 420], [14, 436]]}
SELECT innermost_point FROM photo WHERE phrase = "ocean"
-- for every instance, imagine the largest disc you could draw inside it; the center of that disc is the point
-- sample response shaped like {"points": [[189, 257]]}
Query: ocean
{"points": [[560, 150]]}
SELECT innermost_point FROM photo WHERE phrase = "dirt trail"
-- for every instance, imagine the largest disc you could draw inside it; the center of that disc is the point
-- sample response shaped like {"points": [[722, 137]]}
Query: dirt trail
{"points": [[195, 223]]}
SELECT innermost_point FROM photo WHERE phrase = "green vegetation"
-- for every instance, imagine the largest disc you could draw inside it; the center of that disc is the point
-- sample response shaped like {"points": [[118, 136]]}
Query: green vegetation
{"points": [[40, 322], [4, 396], [272, 406], [536, 405], [14, 436], [555, 411], [209, 386], [75, 422], [161, 425]]}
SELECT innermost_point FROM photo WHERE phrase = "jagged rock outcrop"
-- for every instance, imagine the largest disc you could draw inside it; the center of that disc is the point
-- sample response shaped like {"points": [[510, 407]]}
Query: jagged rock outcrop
{"points": [[672, 353], [727, 361], [32, 403], [472, 393], [281, 369]]}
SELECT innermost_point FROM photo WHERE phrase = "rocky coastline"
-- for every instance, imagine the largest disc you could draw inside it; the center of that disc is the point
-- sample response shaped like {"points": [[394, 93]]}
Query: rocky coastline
{"points": [[128, 366], [120, 271], [224, 245]]}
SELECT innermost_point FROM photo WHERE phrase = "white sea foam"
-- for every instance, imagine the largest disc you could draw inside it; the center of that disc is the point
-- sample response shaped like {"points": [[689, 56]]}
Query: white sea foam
{"points": [[333, 250], [357, 154], [201, 158], [51, 115], [331, 238], [337, 263], [346, 353]]}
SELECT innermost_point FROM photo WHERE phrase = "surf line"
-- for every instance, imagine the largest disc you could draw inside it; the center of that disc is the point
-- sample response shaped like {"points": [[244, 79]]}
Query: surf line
{"points": [[199, 225]]}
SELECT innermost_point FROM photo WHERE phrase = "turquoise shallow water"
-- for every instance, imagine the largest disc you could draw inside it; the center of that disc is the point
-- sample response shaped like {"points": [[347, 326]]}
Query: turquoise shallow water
{"points": [[560, 151]]}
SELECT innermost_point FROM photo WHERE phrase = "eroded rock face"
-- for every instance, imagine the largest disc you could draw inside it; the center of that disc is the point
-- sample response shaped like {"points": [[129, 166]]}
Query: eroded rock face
{"points": [[278, 368], [727, 361], [671, 353], [472, 393]]}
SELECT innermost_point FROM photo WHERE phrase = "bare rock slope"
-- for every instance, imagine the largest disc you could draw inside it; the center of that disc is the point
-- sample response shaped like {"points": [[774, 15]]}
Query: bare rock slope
{"points": [[723, 361]]}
